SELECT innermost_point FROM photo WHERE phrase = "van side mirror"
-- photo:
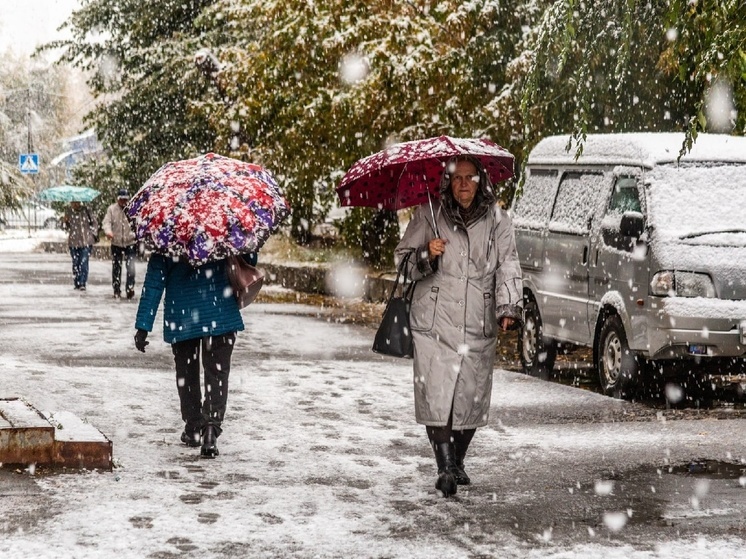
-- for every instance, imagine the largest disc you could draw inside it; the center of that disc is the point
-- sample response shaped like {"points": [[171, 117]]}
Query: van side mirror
{"points": [[632, 225]]}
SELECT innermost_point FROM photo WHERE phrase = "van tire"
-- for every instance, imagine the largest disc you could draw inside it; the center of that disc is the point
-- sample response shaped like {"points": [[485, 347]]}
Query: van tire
{"points": [[537, 352], [618, 367]]}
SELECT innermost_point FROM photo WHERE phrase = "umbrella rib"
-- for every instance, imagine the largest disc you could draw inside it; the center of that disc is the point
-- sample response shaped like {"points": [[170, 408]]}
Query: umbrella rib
{"points": [[398, 183]]}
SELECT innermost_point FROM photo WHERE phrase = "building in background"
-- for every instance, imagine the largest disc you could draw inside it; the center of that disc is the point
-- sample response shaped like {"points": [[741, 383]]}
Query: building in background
{"points": [[76, 149]]}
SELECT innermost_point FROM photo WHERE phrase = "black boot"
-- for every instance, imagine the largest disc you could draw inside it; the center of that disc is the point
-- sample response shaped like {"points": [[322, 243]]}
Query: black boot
{"points": [[209, 442], [458, 471], [444, 456], [190, 438], [461, 441]]}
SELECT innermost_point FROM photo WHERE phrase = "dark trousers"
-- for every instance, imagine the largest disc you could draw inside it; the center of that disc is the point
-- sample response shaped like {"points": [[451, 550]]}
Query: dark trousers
{"points": [[216, 363], [127, 254], [80, 256]]}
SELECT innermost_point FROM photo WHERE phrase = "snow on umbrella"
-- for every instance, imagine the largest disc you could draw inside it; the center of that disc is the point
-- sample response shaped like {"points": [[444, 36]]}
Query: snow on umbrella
{"points": [[404, 174], [69, 193], [207, 208]]}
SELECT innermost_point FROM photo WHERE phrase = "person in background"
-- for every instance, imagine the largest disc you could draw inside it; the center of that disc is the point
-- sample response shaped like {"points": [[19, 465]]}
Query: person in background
{"points": [[468, 283], [200, 315], [81, 226], [123, 245]]}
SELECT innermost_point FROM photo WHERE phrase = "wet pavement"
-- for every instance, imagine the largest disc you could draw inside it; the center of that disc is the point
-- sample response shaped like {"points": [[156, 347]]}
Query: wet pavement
{"points": [[321, 456]]}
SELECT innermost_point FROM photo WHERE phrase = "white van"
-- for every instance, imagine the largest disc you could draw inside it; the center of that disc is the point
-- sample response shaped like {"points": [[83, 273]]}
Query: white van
{"points": [[635, 253]]}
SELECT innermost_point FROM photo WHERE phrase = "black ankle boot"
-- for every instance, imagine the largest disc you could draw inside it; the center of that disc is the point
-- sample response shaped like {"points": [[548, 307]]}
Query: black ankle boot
{"points": [[461, 441], [190, 438], [209, 442], [444, 456], [459, 473]]}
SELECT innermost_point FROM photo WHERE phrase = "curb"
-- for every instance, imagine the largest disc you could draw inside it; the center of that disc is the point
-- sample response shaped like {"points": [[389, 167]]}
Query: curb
{"points": [[352, 281]]}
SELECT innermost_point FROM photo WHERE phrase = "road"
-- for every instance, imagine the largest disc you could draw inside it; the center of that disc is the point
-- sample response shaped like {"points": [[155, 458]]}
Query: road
{"points": [[321, 456]]}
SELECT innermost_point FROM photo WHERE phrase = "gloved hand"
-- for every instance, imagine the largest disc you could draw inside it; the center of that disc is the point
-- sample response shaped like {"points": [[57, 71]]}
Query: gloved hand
{"points": [[140, 339]]}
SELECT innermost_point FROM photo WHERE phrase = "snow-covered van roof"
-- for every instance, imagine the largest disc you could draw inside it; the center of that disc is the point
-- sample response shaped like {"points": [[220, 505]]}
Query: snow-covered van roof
{"points": [[639, 149]]}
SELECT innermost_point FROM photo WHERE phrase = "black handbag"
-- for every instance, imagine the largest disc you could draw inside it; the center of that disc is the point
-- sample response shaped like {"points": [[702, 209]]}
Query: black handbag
{"points": [[394, 336]]}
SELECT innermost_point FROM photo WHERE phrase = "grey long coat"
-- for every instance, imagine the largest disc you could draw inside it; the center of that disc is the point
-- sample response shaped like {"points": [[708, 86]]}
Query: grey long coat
{"points": [[455, 309]]}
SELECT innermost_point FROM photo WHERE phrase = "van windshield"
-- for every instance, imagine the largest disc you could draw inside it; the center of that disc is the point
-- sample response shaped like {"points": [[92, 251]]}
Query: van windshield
{"points": [[698, 201]]}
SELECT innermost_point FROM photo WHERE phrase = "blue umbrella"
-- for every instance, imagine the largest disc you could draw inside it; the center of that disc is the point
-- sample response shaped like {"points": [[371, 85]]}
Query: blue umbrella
{"points": [[68, 193]]}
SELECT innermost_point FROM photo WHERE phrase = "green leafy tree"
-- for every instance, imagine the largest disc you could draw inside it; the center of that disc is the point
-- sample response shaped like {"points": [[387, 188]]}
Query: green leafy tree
{"points": [[608, 66], [13, 187], [139, 55], [309, 88], [34, 108], [707, 54]]}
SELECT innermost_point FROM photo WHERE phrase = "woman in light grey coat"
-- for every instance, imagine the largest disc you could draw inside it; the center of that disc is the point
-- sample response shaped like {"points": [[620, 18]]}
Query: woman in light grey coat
{"points": [[468, 283]]}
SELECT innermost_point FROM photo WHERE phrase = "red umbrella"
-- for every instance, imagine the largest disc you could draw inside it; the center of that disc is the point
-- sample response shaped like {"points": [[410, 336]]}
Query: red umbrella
{"points": [[404, 174]]}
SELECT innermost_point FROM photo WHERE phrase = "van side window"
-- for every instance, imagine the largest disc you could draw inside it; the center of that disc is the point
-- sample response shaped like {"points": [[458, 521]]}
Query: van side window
{"points": [[533, 207], [576, 202], [625, 197]]}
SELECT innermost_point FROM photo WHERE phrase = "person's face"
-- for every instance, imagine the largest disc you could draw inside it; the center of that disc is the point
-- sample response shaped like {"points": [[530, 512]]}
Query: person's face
{"points": [[464, 183], [122, 202], [75, 205]]}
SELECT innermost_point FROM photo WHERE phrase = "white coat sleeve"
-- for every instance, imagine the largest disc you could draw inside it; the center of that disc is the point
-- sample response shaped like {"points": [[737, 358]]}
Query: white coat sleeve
{"points": [[107, 223]]}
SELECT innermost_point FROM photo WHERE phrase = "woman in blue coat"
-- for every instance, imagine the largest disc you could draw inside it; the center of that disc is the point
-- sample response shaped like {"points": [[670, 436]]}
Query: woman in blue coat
{"points": [[200, 314]]}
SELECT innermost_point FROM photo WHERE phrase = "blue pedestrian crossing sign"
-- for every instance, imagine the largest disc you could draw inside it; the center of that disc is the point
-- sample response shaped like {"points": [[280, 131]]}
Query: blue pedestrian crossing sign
{"points": [[29, 162]]}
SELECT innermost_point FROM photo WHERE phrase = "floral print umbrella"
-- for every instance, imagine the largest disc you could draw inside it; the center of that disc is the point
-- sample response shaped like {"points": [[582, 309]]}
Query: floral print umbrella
{"points": [[207, 208], [402, 175]]}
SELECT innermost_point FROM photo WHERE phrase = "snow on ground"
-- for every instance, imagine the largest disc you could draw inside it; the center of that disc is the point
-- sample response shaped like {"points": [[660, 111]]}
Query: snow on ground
{"points": [[320, 456], [23, 240]]}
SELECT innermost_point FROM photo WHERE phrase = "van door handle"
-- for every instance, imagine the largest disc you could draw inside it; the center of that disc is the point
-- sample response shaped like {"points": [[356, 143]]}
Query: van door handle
{"points": [[585, 255]]}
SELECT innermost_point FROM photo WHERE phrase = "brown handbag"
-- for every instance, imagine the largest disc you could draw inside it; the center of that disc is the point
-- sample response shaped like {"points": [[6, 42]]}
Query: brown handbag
{"points": [[245, 280]]}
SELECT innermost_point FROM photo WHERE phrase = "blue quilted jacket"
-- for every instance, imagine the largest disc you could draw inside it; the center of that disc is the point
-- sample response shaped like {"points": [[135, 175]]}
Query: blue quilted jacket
{"points": [[197, 302]]}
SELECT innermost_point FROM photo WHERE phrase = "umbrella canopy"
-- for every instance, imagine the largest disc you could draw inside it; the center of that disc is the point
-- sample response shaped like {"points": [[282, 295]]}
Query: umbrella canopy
{"points": [[69, 193], [403, 174], [207, 208]]}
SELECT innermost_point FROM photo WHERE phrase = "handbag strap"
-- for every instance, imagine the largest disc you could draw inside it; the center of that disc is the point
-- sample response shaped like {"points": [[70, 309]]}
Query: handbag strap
{"points": [[407, 291]]}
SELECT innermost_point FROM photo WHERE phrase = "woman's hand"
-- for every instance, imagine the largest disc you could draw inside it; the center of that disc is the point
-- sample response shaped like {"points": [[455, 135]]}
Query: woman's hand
{"points": [[506, 323], [436, 247]]}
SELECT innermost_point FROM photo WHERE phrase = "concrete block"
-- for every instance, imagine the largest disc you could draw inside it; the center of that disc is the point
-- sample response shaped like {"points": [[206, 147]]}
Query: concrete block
{"points": [[26, 437], [78, 444]]}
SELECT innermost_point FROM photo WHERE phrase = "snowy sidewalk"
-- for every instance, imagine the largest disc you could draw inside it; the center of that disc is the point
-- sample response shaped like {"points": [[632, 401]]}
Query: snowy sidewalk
{"points": [[320, 456]]}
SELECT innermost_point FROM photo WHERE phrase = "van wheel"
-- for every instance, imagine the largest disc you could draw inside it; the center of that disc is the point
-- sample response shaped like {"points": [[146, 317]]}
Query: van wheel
{"points": [[618, 367], [537, 352], [51, 223]]}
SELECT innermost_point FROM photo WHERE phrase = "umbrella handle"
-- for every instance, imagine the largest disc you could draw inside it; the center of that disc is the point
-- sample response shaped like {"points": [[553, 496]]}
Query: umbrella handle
{"points": [[432, 214]]}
